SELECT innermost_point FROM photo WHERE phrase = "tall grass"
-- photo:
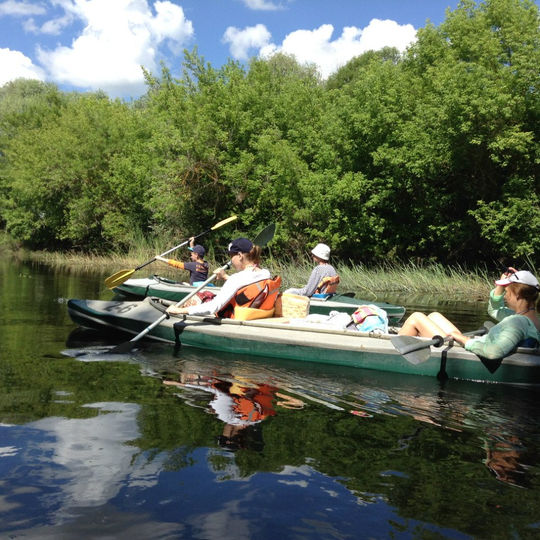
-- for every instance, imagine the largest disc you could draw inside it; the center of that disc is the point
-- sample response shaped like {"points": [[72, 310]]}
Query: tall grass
{"points": [[455, 282], [141, 251], [370, 282]]}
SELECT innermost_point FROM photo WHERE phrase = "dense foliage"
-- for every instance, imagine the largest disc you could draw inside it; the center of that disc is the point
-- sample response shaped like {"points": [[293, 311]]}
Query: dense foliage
{"points": [[433, 154]]}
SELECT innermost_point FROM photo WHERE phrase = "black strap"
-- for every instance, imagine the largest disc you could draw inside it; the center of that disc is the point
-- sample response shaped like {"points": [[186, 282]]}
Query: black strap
{"points": [[178, 329], [442, 376]]}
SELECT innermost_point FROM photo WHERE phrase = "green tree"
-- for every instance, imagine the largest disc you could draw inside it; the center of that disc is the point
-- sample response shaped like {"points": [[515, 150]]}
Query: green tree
{"points": [[473, 135], [59, 194]]}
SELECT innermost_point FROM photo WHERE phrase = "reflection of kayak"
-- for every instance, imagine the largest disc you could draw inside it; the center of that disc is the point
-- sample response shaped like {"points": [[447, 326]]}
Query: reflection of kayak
{"points": [[167, 289], [294, 339]]}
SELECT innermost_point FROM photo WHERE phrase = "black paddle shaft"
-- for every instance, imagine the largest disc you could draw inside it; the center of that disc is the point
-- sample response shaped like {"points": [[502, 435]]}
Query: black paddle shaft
{"points": [[261, 239], [171, 250], [435, 341]]}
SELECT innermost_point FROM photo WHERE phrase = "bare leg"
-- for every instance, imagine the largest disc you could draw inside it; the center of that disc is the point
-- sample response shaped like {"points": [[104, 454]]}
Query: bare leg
{"points": [[443, 323], [419, 324]]}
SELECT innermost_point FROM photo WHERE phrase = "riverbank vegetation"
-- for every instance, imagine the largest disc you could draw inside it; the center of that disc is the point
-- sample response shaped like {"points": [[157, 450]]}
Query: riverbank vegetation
{"points": [[371, 283], [431, 156]]}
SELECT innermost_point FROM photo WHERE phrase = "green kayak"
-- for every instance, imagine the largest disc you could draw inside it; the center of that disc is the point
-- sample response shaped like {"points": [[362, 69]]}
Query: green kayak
{"points": [[159, 287], [301, 340]]}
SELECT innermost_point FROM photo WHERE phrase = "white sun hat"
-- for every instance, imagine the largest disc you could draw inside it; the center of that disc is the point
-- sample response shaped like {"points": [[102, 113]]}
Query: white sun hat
{"points": [[523, 276], [322, 251]]}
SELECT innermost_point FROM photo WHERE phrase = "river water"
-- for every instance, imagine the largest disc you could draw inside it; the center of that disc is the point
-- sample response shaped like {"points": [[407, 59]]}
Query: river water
{"points": [[169, 444]]}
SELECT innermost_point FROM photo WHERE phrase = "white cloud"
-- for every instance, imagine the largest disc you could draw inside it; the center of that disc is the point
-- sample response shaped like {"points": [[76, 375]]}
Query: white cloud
{"points": [[317, 47], [262, 5], [16, 65], [92, 453], [11, 7], [242, 41], [55, 26], [119, 36]]}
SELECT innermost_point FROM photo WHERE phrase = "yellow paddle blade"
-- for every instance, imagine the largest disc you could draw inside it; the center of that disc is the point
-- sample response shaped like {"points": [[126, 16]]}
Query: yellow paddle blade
{"points": [[117, 279], [223, 222]]}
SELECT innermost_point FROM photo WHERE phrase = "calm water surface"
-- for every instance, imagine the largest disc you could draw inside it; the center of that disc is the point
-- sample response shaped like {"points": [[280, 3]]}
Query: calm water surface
{"points": [[165, 443]]}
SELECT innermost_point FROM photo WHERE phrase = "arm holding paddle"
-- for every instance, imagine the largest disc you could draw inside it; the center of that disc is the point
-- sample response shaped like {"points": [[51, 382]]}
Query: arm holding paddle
{"points": [[197, 266], [262, 238], [245, 257], [417, 350], [128, 346], [119, 277], [173, 261]]}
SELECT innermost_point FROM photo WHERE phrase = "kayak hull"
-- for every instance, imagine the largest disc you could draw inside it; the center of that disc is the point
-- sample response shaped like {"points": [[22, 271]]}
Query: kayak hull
{"points": [[291, 339]]}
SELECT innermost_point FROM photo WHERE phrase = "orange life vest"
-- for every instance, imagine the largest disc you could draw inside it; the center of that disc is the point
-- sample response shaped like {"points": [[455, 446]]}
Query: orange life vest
{"points": [[327, 285], [261, 295]]}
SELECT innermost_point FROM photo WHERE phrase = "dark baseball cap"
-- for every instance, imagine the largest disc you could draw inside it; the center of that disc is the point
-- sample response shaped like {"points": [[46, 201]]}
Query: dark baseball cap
{"points": [[240, 245], [198, 249]]}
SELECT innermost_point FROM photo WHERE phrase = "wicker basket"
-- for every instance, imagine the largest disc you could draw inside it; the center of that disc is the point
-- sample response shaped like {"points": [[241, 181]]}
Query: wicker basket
{"points": [[294, 306]]}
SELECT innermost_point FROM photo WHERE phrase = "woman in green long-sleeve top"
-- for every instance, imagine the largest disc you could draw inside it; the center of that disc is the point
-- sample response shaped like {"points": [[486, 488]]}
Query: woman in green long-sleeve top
{"points": [[512, 302]]}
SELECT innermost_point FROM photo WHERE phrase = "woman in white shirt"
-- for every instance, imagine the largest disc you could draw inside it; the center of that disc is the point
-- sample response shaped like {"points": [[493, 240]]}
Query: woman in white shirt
{"points": [[245, 258]]}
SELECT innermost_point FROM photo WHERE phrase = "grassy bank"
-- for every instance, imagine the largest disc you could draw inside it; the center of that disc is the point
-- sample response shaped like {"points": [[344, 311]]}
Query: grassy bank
{"points": [[436, 279], [398, 279]]}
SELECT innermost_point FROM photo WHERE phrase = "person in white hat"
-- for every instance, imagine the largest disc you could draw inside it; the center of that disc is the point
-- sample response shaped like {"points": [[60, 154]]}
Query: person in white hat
{"points": [[321, 255], [512, 302]]}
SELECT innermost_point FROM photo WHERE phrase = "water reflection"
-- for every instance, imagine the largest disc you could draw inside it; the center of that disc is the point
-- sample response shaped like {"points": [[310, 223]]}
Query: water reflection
{"points": [[71, 465], [91, 455], [503, 459], [240, 403], [97, 445], [244, 391]]}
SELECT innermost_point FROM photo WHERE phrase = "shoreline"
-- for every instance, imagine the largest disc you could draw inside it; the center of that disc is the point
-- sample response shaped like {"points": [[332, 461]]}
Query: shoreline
{"points": [[455, 283]]}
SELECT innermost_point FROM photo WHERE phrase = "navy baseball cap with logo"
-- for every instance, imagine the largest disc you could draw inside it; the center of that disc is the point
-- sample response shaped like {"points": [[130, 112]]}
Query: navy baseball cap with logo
{"points": [[240, 245], [198, 249]]}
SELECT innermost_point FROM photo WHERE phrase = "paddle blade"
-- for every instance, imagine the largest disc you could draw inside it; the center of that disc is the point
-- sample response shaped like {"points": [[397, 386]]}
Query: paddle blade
{"points": [[117, 279], [123, 348], [265, 235], [223, 222], [403, 343]]}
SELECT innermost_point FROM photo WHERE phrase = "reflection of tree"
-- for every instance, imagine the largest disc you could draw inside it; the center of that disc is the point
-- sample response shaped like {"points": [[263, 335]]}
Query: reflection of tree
{"points": [[61, 387], [426, 472], [423, 471]]}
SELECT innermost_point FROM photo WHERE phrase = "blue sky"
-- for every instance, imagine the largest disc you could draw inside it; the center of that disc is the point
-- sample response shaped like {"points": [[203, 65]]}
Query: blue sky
{"points": [[101, 44]]}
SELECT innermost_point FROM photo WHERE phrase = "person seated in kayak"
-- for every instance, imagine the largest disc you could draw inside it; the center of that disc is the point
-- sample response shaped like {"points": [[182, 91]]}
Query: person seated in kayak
{"points": [[512, 302], [323, 278], [245, 258], [197, 267]]}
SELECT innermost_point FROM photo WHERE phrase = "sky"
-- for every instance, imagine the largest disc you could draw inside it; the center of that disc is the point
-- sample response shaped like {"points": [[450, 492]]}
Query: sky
{"points": [[88, 45]]}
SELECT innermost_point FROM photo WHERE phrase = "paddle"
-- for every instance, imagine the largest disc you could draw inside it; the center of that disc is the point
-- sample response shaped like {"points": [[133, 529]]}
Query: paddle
{"points": [[261, 240], [417, 351], [128, 345], [265, 236], [119, 277]]}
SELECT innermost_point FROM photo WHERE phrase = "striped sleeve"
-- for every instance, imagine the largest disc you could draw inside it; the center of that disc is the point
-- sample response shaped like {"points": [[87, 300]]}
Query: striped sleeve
{"points": [[502, 339]]}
